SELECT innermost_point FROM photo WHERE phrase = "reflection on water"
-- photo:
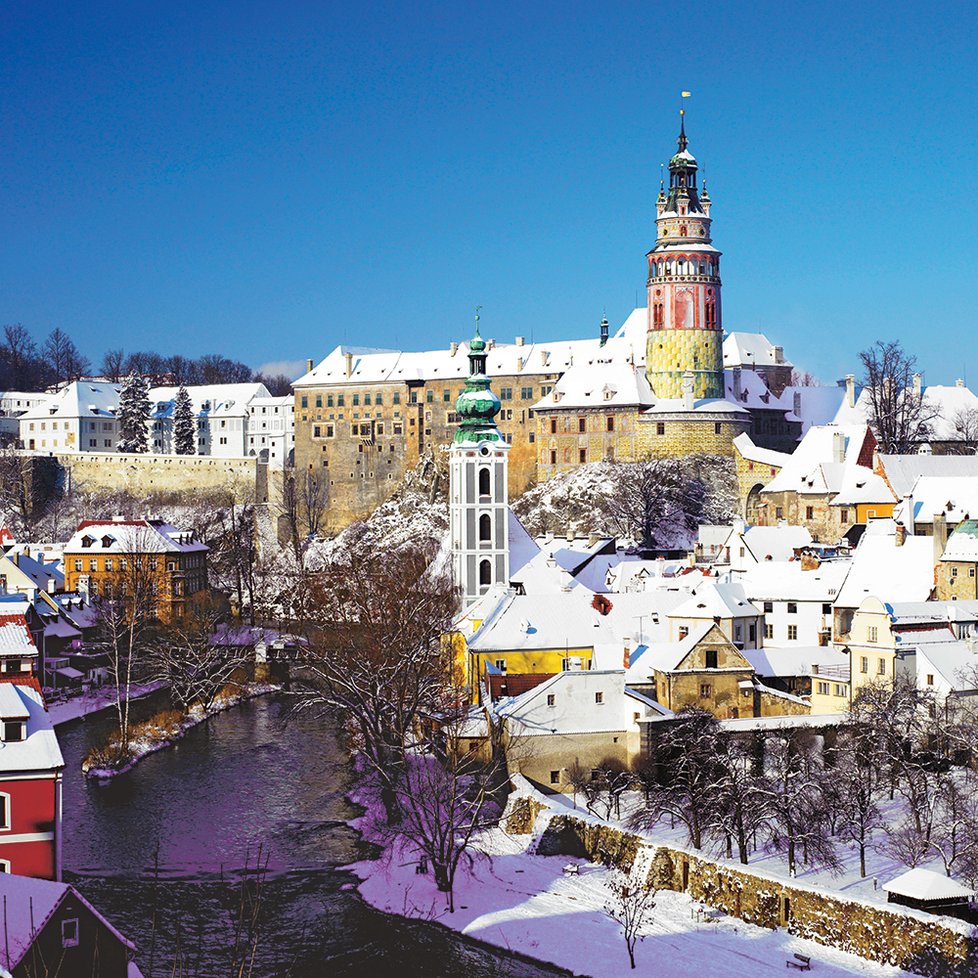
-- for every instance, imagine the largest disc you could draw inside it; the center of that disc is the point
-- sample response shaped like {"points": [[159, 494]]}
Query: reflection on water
{"points": [[169, 842]]}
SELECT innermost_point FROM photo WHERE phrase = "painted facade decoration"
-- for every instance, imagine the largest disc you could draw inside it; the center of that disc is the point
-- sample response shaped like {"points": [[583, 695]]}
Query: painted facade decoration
{"points": [[685, 332]]}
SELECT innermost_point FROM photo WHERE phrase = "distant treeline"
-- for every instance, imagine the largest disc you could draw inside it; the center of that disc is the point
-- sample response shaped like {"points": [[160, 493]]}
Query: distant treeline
{"points": [[27, 366]]}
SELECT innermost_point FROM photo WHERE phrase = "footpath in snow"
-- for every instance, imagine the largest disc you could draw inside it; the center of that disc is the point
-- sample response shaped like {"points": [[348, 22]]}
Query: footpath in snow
{"points": [[524, 902], [95, 700]]}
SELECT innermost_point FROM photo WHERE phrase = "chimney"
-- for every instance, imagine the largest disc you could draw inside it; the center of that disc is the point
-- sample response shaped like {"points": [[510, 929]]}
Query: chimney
{"points": [[739, 524], [544, 355], [796, 404], [916, 385], [520, 341], [908, 520], [838, 446], [810, 562], [309, 365], [779, 354], [348, 357], [603, 330], [519, 364], [959, 382], [940, 536], [851, 390], [901, 534], [453, 348], [736, 384]]}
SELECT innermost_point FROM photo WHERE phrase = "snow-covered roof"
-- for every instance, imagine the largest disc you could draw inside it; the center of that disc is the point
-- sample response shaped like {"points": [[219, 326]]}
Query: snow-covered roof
{"points": [[752, 350], [814, 406], [882, 569], [713, 599], [599, 383], [28, 905], [39, 751], [15, 635], [862, 485], [795, 660], [754, 453], [774, 543], [788, 581], [943, 405], [962, 544], [666, 656], [41, 572], [952, 660], [902, 471], [819, 463], [925, 884], [209, 400], [956, 497], [131, 536]]}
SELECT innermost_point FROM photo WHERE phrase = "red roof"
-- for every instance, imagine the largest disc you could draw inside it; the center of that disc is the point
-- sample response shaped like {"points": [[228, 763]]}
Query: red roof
{"points": [[516, 684]]}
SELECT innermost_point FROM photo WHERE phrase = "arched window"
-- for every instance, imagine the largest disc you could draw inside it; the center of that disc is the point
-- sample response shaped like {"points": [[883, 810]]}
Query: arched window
{"points": [[484, 482], [485, 573], [485, 528]]}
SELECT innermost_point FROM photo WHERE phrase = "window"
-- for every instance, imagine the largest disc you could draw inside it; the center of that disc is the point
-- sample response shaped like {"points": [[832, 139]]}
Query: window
{"points": [[429, 397], [329, 400], [69, 932], [930, 679], [881, 667], [705, 690], [844, 515], [864, 664], [551, 699], [872, 634], [768, 607], [823, 689], [826, 609], [809, 512], [711, 658], [108, 563], [485, 573], [792, 633], [599, 697], [792, 608], [93, 565], [582, 455], [505, 393], [582, 425], [768, 631], [716, 427], [397, 397], [78, 565], [485, 528], [555, 777], [954, 572], [366, 400], [340, 400], [484, 482], [779, 512], [610, 422], [553, 426], [660, 428], [319, 400], [501, 665], [840, 690], [553, 456], [304, 401]]}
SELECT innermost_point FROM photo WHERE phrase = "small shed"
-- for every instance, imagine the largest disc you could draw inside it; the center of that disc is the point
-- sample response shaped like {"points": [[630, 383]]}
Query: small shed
{"points": [[930, 891]]}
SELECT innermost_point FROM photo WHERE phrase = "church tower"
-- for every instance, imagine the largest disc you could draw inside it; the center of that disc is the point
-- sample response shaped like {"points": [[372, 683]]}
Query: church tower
{"points": [[685, 334], [479, 507]]}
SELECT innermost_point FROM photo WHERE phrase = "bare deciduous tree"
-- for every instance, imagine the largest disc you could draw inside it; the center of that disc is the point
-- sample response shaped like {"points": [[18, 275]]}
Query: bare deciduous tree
{"points": [[378, 659], [630, 904], [899, 416]]}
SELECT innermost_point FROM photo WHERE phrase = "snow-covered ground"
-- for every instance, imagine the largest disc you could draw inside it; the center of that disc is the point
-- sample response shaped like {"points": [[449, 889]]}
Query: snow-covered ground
{"points": [[93, 701], [508, 896], [525, 902]]}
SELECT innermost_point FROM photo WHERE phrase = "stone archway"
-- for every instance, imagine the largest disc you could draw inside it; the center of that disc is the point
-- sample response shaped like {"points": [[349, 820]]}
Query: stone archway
{"points": [[755, 509]]}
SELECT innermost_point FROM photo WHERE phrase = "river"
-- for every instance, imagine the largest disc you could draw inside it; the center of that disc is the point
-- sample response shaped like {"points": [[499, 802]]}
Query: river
{"points": [[163, 852]]}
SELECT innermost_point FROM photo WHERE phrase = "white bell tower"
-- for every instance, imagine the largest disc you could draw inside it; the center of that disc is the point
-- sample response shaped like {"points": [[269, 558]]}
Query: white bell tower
{"points": [[479, 503]]}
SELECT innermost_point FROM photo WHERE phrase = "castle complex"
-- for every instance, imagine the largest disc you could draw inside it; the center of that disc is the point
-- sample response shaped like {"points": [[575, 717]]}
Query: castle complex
{"points": [[666, 383]]}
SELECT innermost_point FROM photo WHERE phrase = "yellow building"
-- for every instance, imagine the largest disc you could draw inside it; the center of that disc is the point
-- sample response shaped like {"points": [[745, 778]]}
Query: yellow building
{"points": [[871, 644]]}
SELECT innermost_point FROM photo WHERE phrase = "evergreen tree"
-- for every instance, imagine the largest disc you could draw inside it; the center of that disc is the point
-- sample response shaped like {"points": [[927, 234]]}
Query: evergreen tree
{"points": [[183, 423], [134, 415]]}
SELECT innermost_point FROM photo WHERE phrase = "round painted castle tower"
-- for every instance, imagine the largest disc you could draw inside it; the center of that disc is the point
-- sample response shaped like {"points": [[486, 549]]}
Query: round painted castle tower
{"points": [[685, 332]]}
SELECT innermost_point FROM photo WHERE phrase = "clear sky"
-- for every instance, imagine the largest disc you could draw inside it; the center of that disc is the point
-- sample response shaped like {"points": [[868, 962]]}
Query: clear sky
{"points": [[267, 180]]}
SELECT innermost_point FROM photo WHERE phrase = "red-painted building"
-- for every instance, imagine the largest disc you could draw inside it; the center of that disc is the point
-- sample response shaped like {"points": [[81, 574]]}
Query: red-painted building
{"points": [[30, 764]]}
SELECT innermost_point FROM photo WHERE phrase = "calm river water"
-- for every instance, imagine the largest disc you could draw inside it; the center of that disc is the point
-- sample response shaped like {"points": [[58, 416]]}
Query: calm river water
{"points": [[199, 812]]}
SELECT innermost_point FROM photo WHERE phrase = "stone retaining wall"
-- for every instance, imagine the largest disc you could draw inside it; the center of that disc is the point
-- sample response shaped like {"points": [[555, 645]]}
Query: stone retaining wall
{"points": [[937, 947]]}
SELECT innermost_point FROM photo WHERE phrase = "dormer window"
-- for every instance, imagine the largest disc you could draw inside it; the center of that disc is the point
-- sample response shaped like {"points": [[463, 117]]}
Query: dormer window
{"points": [[107, 541], [87, 541], [14, 731]]}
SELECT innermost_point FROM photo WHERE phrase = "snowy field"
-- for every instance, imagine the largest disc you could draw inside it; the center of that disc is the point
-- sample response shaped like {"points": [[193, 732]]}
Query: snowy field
{"points": [[525, 902]]}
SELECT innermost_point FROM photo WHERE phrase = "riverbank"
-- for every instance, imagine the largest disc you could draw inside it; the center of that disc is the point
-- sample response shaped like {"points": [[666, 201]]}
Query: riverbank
{"points": [[507, 896], [95, 701], [165, 730]]}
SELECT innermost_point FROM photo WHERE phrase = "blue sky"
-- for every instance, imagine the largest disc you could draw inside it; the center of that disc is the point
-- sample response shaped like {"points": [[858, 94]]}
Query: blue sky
{"points": [[268, 180]]}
